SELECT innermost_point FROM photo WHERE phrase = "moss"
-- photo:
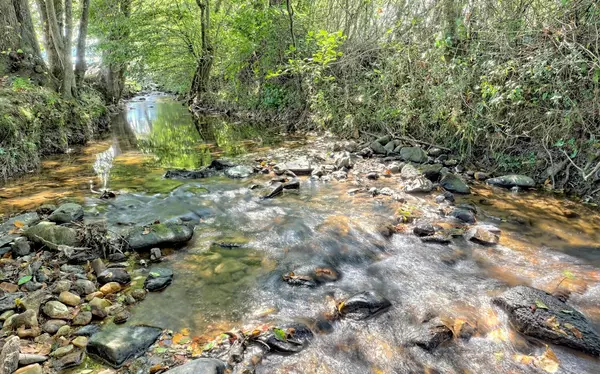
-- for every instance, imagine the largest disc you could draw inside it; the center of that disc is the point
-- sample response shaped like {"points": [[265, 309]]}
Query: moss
{"points": [[36, 121]]}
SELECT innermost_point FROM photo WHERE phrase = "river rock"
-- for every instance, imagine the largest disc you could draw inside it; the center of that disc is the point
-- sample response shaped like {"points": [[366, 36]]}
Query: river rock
{"points": [[56, 310], [52, 325], [28, 359], [158, 279], [454, 183], [20, 247], [298, 167], [30, 369], [80, 341], [186, 174], [424, 229], [68, 361], [299, 280], [118, 275], [483, 234], [9, 356], [275, 190], [110, 288], [49, 232], [297, 338], [378, 148], [409, 172], [239, 171], [540, 315], [69, 298], [82, 318], [117, 346], [99, 307], [413, 154], [463, 215], [364, 305], [67, 213], [343, 160], [88, 330], [8, 301], [419, 185], [159, 235], [431, 172], [513, 180], [84, 287], [431, 335], [45, 209], [293, 184], [200, 366]]}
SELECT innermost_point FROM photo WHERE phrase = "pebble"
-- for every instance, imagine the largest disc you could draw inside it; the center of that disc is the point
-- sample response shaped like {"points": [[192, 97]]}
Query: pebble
{"points": [[69, 298]]}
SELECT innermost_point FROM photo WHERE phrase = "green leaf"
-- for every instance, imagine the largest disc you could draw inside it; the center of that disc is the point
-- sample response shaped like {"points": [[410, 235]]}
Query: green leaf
{"points": [[208, 346], [155, 274], [540, 305], [24, 280], [279, 334], [160, 350]]}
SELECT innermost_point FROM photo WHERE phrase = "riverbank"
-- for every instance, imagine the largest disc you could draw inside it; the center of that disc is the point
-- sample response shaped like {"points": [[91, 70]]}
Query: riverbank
{"points": [[37, 122]]}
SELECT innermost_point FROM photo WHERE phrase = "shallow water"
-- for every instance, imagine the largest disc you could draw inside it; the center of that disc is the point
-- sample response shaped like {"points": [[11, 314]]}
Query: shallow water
{"points": [[546, 243]]}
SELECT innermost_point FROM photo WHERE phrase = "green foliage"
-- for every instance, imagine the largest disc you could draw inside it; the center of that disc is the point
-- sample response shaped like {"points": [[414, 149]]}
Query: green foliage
{"points": [[24, 280]]}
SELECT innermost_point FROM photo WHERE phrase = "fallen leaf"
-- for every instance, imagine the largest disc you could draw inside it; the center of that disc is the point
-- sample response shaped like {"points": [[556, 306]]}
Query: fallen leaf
{"points": [[177, 338], [280, 334], [147, 230], [540, 305], [19, 224], [547, 361], [24, 280], [185, 332]]}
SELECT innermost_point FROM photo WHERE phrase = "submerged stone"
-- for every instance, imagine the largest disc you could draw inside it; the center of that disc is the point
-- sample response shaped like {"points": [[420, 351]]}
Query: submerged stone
{"points": [[483, 234], [431, 335], [513, 180], [186, 174], [117, 346], [158, 235], [158, 279], [540, 315], [419, 185], [200, 366], [364, 305]]}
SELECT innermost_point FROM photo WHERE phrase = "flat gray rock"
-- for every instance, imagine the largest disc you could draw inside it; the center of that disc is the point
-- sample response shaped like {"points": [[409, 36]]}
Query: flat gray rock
{"points": [[509, 181], [66, 213], [159, 235], [118, 345]]}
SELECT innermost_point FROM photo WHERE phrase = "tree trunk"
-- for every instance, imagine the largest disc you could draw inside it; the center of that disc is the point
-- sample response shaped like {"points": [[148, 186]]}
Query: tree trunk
{"points": [[54, 63], [204, 64], [80, 65], [20, 51], [68, 87], [114, 74]]}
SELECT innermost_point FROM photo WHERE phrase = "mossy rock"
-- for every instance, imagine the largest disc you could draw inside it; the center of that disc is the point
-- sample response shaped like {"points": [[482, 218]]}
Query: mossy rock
{"points": [[158, 235], [49, 234]]}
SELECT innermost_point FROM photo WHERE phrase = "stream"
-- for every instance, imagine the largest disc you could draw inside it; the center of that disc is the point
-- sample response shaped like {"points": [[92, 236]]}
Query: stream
{"points": [[230, 274]]}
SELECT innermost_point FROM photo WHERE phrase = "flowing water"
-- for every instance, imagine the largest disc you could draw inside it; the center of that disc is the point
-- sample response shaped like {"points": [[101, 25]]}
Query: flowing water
{"points": [[229, 275]]}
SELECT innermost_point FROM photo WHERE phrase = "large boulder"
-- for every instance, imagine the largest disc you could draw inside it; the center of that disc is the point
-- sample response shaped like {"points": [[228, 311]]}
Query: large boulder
{"points": [[454, 183], [364, 305], [509, 181], [66, 213], [200, 366], [116, 346], [378, 148], [540, 315], [158, 235], [298, 167], [52, 235], [413, 154]]}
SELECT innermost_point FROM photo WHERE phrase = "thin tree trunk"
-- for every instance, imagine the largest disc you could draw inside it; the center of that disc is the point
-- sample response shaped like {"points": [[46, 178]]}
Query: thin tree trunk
{"points": [[290, 11], [202, 74], [69, 76], [54, 63], [80, 65]]}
